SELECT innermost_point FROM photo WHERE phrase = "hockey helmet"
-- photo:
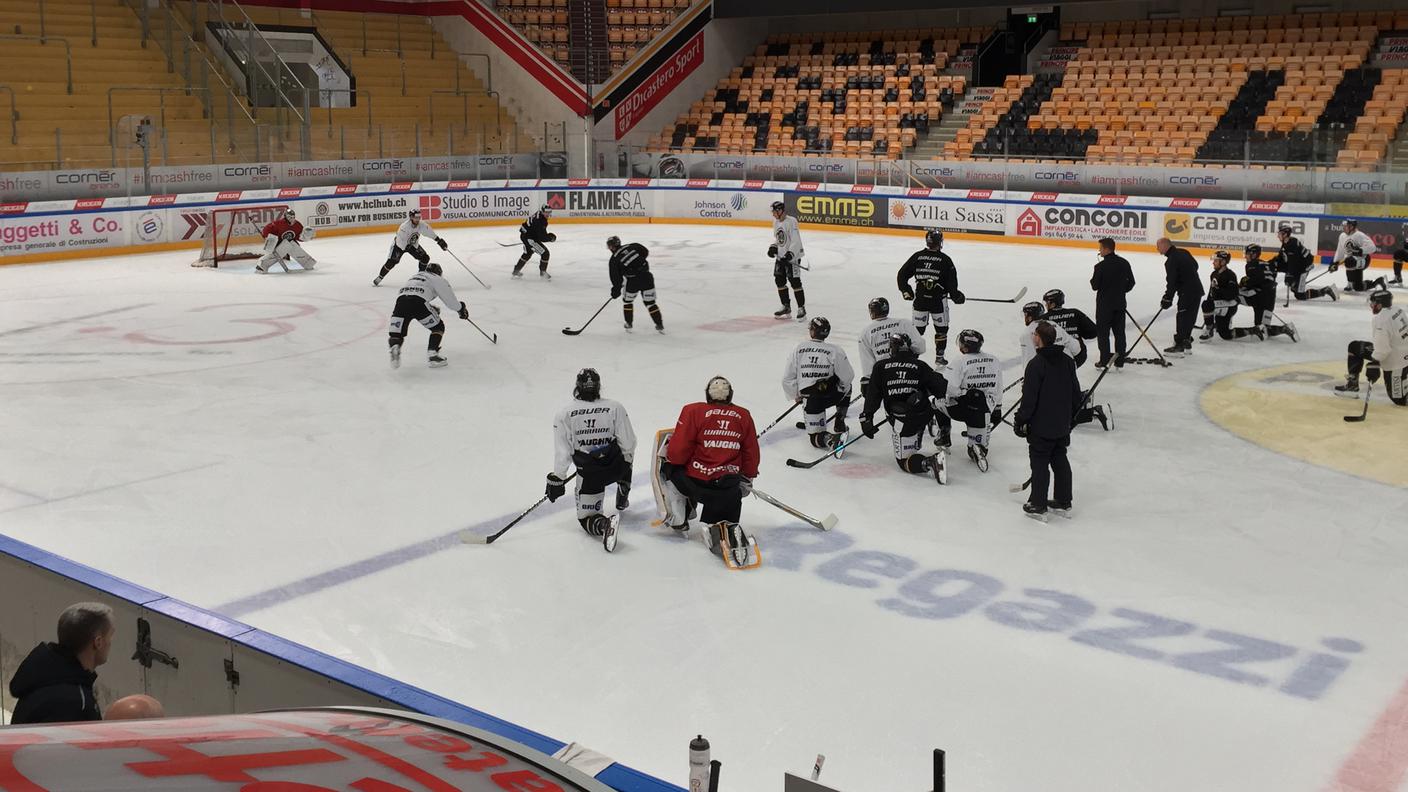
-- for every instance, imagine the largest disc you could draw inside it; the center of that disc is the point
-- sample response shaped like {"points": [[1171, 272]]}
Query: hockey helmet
{"points": [[819, 328], [1222, 256], [1285, 229], [718, 391], [289, 214], [934, 238], [545, 210], [879, 308], [588, 385], [901, 344], [432, 268], [1252, 252], [1381, 297], [414, 214], [779, 206], [613, 242], [1055, 298], [1350, 222], [1033, 311], [970, 341]]}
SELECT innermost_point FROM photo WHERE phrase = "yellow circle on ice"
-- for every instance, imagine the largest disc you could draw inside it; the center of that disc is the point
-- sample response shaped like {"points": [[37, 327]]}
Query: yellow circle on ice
{"points": [[1293, 410]]}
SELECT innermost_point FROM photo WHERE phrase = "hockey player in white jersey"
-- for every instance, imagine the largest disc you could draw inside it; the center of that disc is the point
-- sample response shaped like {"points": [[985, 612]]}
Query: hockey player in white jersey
{"points": [[407, 240], [875, 337], [593, 434], [786, 252], [1386, 354], [282, 238], [1032, 313], [414, 303], [1353, 252], [974, 397], [818, 375]]}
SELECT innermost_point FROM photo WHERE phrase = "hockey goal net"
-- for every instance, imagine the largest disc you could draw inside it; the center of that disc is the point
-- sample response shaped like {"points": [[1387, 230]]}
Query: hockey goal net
{"points": [[232, 233]]}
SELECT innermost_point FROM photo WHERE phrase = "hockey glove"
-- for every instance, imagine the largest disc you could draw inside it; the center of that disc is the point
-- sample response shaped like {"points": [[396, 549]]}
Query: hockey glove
{"points": [[867, 426], [1166, 303], [996, 417], [772, 251], [907, 294], [1372, 373], [615, 292], [552, 237], [464, 311], [442, 243], [1019, 429], [786, 257], [556, 487], [745, 486], [309, 233], [1334, 265], [957, 297]]}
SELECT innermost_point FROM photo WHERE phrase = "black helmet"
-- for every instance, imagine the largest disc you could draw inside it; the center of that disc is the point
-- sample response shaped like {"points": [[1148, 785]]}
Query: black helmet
{"points": [[588, 387], [414, 214], [1054, 297], [1381, 297], [432, 267], [1252, 251], [1285, 229], [1034, 310], [970, 341], [901, 344], [1222, 255], [819, 328], [934, 238], [779, 206], [879, 308], [1350, 221], [613, 242]]}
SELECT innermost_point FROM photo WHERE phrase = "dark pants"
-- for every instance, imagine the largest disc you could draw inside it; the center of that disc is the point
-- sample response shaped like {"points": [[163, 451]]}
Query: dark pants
{"points": [[394, 257], [1186, 317], [1395, 381], [1109, 320], [607, 466], [410, 308], [1048, 455], [721, 499]]}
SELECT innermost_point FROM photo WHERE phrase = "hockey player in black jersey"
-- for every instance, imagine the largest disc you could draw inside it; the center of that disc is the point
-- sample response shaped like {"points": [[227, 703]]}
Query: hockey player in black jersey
{"points": [[905, 385], [935, 283], [1258, 290], [1295, 262], [1221, 303], [1072, 320], [630, 275], [534, 235]]}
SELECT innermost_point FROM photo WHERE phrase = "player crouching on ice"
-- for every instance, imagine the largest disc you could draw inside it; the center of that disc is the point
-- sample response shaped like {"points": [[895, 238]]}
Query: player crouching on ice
{"points": [[1386, 354], [905, 384], [710, 458], [974, 397], [414, 303], [819, 374], [595, 435], [281, 238]]}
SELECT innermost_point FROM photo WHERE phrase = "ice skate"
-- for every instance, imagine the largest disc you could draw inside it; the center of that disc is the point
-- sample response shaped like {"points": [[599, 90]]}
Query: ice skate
{"points": [[1033, 512], [436, 361], [783, 312]]}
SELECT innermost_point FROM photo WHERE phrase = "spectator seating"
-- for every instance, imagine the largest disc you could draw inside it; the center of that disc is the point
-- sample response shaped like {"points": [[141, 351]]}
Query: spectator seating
{"points": [[629, 25], [543, 22], [854, 94]]}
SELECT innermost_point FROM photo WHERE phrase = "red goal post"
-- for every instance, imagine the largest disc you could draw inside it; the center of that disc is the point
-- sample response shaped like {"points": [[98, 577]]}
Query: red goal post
{"points": [[232, 233]]}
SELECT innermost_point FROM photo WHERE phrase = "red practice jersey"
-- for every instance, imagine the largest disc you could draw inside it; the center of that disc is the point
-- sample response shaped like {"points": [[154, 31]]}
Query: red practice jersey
{"points": [[715, 440], [279, 226]]}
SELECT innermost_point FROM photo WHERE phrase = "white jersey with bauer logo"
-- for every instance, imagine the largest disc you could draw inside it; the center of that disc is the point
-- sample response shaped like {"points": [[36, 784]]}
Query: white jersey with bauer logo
{"points": [[1391, 337], [976, 371], [588, 426], [428, 286], [813, 362], [875, 343], [1366, 247], [1063, 340]]}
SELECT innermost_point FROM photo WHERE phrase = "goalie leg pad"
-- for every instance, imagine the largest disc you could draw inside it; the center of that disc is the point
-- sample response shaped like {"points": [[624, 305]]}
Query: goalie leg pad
{"points": [[670, 503]]}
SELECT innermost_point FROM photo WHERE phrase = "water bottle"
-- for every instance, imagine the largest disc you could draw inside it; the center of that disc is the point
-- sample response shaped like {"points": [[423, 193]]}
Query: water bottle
{"points": [[699, 764]]}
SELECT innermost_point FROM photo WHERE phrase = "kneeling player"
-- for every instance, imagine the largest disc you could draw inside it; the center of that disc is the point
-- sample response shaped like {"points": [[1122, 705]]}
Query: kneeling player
{"points": [[1353, 252], [408, 241], [1221, 303], [1387, 353], [535, 238], [905, 384], [1295, 262], [629, 270], [711, 458], [974, 397], [874, 341], [414, 304], [595, 435], [1258, 289], [281, 241], [819, 375]]}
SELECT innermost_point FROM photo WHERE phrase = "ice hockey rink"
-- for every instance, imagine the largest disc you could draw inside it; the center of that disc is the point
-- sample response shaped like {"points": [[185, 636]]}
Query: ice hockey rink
{"points": [[1223, 612]]}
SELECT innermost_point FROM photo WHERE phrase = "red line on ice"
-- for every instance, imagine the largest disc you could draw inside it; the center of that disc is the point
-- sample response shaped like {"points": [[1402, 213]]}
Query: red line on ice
{"points": [[1379, 762]]}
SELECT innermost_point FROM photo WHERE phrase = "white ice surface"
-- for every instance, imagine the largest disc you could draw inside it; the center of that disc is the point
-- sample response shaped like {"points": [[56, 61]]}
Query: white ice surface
{"points": [[296, 482]]}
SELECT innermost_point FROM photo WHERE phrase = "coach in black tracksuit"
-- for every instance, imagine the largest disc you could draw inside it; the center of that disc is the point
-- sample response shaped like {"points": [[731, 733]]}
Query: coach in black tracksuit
{"points": [[1113, 279], [1050, 398], [1181, 272]]}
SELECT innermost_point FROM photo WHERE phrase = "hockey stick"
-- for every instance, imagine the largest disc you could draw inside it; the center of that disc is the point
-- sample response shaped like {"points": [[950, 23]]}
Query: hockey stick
{"points": [[578, 331], [1144, 335], [856, 398], [1019, 296], [825, 524], [1365, 412], [466, 268], [809, 465], [470, 538], [493, 339], [1083, 402], [514, 244], [794, 406]]}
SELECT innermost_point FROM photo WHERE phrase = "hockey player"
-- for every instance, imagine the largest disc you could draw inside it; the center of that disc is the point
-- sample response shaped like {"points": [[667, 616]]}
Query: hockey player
{"points": [[1386, 354], [935, 283], [534, 235], [786, 252], [1353, 252], [1258, 289], [1295, 262], [1399, 256], [974, 397], [629, 270], [905, 385], [875, 338], [1221, 303], [1073, 320], [594, 435], [711, 459], [281, 238], [414, 302], [407, 240], [1032, 314], [819, 375]]}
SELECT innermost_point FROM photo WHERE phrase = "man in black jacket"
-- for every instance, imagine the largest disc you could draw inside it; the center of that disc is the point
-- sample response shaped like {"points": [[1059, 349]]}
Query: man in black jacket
{"points": [[1113, 279], [54, 684], [1181, 272], [1050, 399]]}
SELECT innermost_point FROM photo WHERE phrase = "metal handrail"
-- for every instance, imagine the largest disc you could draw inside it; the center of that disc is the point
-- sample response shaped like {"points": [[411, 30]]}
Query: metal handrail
{"points": [[400, 50], [464, 99], [14, 116], [43, 40], [160, 91], [251, 58], [361, 94], [403, 65]]}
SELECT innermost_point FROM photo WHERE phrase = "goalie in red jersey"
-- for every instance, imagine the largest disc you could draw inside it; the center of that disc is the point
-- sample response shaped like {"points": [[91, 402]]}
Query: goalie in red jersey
{"points": [[281, 242]]}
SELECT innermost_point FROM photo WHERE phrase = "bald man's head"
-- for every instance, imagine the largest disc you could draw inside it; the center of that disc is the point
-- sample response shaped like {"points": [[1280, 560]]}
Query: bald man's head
{"points": [[1163, 244], [136, 707]]}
